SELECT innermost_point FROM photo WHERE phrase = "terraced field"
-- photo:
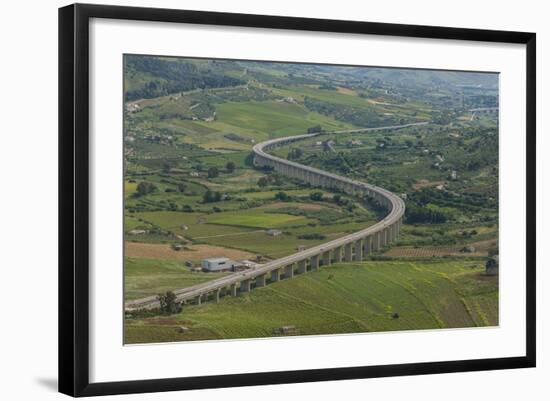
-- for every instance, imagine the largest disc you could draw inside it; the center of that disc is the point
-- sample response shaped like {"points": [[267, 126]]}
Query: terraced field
{"points": [[344, 298]]}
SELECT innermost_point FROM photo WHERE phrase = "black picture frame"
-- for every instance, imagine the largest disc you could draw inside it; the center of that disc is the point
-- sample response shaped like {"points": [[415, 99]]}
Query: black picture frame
{"points": [[74, 198]]}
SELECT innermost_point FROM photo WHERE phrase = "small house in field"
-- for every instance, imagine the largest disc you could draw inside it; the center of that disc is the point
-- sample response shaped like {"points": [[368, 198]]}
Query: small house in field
{"points": [[217, 264], [491, 267], [274, 233]]}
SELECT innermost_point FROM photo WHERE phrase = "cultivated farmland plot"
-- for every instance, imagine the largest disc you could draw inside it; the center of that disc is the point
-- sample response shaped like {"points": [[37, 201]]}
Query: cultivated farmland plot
{"points": [[195, 192]]}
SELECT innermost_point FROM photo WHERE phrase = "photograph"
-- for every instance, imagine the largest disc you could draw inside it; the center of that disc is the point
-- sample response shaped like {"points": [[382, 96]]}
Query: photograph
{"points": [[283, 199]]}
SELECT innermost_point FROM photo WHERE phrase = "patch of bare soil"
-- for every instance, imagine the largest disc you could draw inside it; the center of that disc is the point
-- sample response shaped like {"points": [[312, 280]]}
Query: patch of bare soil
{"points": [[426, 184], [194, 253]]}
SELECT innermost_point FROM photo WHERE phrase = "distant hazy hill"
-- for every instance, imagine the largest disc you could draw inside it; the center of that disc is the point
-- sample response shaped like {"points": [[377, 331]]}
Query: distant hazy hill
{"points": [[407, 77], [150, 76]]}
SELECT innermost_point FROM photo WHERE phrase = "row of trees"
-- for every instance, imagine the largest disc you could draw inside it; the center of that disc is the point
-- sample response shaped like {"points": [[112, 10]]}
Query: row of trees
{"points": [[214, 172]]}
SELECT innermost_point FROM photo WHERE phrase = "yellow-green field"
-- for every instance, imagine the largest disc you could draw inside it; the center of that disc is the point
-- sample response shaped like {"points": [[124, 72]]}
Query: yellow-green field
{"points": [[346, 298], [144, 277]]}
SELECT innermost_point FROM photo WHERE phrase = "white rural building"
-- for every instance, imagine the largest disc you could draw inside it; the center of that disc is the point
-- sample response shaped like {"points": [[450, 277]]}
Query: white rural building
{"points": [[217, 264]]}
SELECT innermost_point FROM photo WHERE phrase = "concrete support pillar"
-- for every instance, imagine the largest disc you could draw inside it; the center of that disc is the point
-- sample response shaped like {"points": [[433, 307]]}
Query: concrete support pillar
{"points": [[245, 285], [275, 275], [217, 295], [347, 253], [367, 246], [314, 263], [375, 242], [289, 271], [398, 228], [234, 290], [337, 254], [358, 251], [302, 268], [326, 258], [382, 238], [260, 281], [199, 299]]}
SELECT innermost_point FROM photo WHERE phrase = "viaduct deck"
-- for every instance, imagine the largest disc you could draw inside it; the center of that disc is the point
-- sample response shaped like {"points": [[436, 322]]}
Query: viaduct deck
{"points": [[352, 247]]}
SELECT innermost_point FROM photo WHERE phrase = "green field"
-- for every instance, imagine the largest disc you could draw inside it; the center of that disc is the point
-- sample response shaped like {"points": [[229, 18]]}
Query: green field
{"points": [[274, 118], [190, 180], [347, 298], [258, 219], [144, 277]]}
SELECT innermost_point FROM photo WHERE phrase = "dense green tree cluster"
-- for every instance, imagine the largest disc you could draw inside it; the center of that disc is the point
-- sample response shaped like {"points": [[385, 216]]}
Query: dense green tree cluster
{"points": [[170, 77], [168, 303], [145, 188], [213, 172], [211, 196], [421, 214], [282, 196], [230, 167], [316, 196]]}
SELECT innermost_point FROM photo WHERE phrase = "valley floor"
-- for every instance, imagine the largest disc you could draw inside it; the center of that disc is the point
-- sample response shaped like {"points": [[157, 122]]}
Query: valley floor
{"points": [[370, 296]]}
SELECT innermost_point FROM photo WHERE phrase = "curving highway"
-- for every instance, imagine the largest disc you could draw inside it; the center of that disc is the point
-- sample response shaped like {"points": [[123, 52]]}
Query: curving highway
{"points": [[352, 247]]}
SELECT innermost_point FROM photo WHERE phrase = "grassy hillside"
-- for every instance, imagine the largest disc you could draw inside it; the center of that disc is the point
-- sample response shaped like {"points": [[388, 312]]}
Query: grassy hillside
{"points": [[144, 277], [345, 298]]}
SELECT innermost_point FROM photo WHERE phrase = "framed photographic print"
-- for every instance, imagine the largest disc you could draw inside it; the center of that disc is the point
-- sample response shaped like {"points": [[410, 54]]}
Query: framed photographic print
{"points": [[249, 199]]}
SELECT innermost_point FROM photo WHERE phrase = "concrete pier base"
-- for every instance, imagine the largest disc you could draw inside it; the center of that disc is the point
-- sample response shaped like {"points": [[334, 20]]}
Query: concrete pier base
{"points": [[338, 254], [314, 263], [358, 251], [302, 268], [367, 246], [245, 285], [326, 258], [275, 275], [289, 271], [378, 240], [347, 253], [260, 280]]}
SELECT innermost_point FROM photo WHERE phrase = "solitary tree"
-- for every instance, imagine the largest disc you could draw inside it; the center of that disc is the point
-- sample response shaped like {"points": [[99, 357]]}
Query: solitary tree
{"points": [[168, 303], [230, 167], [316, 128], [181, 187], [263, 182], [213, 172], [316, 196], [145, 188], [282, 196], [211, 196]]}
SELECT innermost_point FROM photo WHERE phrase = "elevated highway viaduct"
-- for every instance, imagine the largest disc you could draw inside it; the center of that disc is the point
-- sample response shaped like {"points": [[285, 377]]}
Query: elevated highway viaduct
{"points": [[352, 247]]}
